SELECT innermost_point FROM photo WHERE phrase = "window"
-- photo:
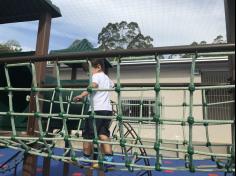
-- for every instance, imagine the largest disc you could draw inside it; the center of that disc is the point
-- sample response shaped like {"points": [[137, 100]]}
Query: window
{"points": [[222, 111], [132, 107]]}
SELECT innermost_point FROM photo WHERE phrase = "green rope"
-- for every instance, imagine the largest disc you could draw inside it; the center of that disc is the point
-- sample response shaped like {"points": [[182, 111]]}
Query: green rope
{"points": [[123, 141], [65, 132], [157, 116], [120, 117]]}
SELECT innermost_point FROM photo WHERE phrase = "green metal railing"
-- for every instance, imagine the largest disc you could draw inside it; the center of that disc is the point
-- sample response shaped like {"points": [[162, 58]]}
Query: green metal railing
{"points": [[15, 141]]}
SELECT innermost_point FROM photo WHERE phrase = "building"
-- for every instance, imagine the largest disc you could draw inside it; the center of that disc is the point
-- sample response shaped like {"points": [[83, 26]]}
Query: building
{"points": [[175, 72]]}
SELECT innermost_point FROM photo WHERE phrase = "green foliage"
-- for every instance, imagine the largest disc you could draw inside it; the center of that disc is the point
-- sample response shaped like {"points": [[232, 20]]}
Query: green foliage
{"points": [[10, 46], [3, 48], [218, 40], [123, 35], [172, 56], [203, 43], [189, 55]]}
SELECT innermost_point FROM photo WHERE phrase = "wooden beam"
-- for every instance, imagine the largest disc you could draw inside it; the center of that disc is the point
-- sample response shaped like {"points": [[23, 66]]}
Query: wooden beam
{"points": [[74, 73], [230, 28], [30, 161]]}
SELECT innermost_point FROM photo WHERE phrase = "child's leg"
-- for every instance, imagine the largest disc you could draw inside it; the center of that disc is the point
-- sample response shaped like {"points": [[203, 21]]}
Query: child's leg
{"points": [[103, 126], [88, 134], [87, 148], [106, 148]]}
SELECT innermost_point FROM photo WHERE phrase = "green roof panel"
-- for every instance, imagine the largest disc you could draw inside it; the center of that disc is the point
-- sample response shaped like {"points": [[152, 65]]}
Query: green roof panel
{"points": [[76, 46], [79, 46]]}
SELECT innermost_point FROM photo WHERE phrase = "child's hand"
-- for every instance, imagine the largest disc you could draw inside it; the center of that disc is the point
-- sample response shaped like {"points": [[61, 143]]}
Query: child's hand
{"points": [[78, 98]]}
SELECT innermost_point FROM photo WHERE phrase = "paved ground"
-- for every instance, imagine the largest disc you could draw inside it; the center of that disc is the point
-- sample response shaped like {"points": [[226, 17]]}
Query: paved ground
{"points": [[57, 168]]}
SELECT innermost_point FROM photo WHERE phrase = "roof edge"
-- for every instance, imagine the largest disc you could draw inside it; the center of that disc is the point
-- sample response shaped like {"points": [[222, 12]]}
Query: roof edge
{"points": [[54, 7]]}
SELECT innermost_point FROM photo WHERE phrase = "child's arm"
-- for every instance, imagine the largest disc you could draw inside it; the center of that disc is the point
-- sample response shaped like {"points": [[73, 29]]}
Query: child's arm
{"points": [[84, 93], [112, 84]]}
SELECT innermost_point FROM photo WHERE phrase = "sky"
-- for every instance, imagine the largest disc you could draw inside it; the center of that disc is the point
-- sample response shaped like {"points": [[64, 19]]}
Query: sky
{"points": [[168, 22]]}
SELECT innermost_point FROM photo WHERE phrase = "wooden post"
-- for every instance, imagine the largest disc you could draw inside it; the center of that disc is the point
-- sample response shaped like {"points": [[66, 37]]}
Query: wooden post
{"points": [[30, 161], [74, 73], [230, 27], [66, 166]]}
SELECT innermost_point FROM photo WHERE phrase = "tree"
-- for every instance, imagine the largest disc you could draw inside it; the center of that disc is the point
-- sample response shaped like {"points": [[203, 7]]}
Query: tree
{"points": [[203, 43], [4, 48], [123, 35], [219, 40], [194, 44], [10, 46], [189, 55]]}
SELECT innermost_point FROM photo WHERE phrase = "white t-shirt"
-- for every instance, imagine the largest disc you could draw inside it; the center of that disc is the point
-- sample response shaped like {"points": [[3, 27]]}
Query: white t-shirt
{"points": [[101, 99]]}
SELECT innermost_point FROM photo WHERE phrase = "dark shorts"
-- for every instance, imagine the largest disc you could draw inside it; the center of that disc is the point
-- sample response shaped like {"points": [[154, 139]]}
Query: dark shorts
{"points": [[101, 124]]}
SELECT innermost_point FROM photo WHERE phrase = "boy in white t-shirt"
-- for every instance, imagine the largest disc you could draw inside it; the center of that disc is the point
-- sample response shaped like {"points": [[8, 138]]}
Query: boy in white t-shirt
{"points": [[102, 106]]}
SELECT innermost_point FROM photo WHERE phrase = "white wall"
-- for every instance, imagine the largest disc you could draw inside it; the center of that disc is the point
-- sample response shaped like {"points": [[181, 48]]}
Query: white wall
{"points": [[178, 73]]}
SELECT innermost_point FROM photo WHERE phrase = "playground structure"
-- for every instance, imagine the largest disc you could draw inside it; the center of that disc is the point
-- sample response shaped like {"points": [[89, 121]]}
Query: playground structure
{"points": [[40, 141], [46, 140]]}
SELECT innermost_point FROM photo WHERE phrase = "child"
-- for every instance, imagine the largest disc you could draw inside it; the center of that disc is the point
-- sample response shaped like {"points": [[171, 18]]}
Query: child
{"points": [[102, 107]]}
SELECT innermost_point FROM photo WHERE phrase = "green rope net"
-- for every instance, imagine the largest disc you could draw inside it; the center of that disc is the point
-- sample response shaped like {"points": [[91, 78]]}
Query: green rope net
{"points": [[131, 146]]}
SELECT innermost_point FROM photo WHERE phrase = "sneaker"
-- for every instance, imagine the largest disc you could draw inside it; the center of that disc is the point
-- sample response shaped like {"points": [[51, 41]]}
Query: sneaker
{"points": [[85, 162], [109, 166]]}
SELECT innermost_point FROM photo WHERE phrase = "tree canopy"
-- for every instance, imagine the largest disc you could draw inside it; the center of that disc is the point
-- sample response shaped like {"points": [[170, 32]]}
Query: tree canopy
{"points": [[218, 40], [10, 46], [123, 35]]}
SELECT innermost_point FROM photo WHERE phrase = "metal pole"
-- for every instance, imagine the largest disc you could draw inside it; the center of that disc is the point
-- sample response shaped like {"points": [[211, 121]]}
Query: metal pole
{"points": [[122, 53]]}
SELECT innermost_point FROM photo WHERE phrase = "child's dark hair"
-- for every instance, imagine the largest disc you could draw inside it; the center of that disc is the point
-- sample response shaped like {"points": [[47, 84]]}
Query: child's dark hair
{"points": [[96, 62]]}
